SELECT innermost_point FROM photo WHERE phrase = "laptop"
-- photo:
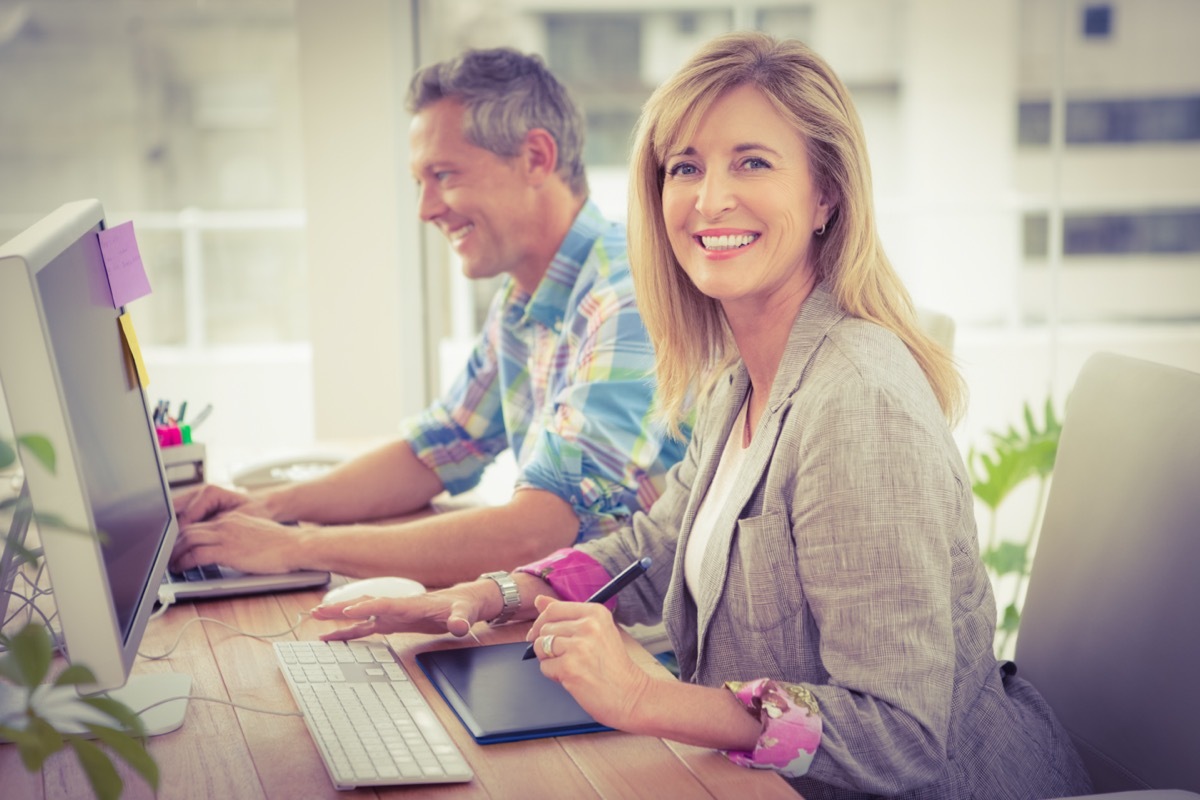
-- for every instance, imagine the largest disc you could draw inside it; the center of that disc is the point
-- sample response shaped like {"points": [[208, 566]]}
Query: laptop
{"points": [[500, 697], [212, 581]]}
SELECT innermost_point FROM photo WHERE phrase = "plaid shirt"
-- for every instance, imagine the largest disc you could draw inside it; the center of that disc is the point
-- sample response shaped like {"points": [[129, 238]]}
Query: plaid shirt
{"points": [[565, 378]]}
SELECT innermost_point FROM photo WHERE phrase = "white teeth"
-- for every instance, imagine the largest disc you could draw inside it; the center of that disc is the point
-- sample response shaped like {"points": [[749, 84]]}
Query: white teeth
{"points": [[459, 233], [727, 242]]}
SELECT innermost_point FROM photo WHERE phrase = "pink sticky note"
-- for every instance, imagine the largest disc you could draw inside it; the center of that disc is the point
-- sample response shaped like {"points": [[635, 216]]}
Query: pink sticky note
{"points": [[123, 263]]}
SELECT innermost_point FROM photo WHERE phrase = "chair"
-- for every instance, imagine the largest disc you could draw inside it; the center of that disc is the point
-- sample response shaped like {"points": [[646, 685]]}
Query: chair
{"points": [[1110, 631], [938, 325]]}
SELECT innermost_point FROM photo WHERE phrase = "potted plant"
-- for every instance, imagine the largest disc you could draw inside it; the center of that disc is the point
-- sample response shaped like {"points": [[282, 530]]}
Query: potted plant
{"points": [[1014, 456], [25, 666]]}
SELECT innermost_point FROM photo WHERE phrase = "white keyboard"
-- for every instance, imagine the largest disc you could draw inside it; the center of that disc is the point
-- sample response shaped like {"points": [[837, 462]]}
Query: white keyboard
{"points": [[372, 726]]}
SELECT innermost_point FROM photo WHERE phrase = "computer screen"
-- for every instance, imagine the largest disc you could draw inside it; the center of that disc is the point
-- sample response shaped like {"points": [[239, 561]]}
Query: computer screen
{"points": [[104, 515]]}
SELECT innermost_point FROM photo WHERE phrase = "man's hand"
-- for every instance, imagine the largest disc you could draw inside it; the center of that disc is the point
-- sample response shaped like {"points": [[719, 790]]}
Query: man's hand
{"points": [[207, 501], [244, 541]]}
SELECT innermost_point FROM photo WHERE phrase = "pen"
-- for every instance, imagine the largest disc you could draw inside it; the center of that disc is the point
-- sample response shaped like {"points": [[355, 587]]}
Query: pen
{"points": [[182, 411], [608, 590], [203, 415]]}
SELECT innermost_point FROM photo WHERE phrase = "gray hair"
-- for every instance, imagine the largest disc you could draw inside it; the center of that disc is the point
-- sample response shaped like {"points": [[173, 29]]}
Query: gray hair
{"points": [[507, 94]]}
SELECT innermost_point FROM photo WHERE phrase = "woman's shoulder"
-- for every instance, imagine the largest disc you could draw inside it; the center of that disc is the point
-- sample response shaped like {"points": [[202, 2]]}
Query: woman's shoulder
{"points": [[859, 358]]}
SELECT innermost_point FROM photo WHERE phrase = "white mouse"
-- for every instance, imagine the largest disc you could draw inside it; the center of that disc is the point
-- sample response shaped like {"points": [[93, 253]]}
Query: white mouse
{"points": [[373, 587]]}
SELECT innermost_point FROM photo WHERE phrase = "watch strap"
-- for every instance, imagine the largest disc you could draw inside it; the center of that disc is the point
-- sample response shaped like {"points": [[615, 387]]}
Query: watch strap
{"points": [[508, 592]]}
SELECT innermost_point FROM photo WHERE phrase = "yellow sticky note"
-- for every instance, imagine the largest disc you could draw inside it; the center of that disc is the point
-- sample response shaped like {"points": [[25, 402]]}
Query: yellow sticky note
{"points": [[133, 349]]}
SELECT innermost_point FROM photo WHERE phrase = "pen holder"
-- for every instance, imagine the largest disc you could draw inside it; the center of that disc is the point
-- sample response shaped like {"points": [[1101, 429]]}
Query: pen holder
{"points": [[183, 460]]}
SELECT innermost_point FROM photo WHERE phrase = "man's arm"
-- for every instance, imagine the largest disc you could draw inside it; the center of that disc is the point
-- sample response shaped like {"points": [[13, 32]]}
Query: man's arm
{"points": [[386, 482], [446, 548], [437, 549]]}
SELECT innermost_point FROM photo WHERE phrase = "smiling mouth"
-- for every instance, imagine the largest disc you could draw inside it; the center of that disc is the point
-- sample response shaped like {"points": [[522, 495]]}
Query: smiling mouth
{"points": [[458, 234], [716, 243]]}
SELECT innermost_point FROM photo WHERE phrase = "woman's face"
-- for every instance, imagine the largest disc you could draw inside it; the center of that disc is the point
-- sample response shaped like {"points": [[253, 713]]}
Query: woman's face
{"points": [[740, 205]]}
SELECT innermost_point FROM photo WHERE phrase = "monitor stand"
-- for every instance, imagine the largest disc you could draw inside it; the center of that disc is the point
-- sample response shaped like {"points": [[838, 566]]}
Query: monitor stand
{"points": [[162, 695], [62, 705], [12, 546]]}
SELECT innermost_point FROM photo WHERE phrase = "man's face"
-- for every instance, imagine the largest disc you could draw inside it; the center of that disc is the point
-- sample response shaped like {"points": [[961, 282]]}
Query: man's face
{"points": [[479, 200]]}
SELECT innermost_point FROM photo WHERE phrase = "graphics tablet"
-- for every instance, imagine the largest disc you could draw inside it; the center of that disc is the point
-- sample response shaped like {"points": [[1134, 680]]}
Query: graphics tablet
{"points": [[501, 698]]}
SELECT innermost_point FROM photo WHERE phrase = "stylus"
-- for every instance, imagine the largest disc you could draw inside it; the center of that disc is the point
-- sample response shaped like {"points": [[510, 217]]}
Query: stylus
{"points": [[608, 590]]}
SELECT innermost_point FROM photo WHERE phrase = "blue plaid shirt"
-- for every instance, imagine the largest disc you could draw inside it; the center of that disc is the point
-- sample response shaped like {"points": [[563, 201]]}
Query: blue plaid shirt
{"points": [[564, 377]]}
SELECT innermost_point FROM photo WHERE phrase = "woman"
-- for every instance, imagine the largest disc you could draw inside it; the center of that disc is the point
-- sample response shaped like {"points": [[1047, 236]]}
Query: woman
{"points": [[815, 556]]}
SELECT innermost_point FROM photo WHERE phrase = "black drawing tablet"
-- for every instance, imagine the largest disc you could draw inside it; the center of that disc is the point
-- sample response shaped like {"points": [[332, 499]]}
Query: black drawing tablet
{"points": [[501, 698]]}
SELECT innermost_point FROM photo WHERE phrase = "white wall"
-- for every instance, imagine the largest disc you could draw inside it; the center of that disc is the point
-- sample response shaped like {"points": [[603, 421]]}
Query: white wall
{"points": [[957, 248], [366, 293]]}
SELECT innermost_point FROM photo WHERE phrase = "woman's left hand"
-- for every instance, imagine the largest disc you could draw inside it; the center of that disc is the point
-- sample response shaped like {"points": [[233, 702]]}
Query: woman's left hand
{"points": [[588, 657]]}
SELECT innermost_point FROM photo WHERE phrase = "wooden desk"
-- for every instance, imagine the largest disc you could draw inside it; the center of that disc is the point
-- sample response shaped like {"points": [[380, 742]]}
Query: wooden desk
{"points": [[223, 752]]}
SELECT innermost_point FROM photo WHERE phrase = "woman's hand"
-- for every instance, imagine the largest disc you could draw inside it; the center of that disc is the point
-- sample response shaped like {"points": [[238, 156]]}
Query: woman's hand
{"points": [[588, 657], [455, 610]]}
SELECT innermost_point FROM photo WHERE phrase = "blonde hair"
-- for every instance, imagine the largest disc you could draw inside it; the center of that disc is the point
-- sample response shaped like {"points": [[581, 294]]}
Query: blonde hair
{"points": [[848, 257]]}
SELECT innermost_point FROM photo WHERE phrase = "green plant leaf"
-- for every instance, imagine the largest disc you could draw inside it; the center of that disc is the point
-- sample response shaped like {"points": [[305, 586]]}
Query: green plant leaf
{"points": [[1015, 457], [123, 714], [37, 742], [1007, 558], [40, 448], [7, 454], [1030, 425], [29, 654], [131, 750], [994, 475], [101, 774], [74, 675], [1012, 619], [22, 552], [29, 745], [10, 671]]}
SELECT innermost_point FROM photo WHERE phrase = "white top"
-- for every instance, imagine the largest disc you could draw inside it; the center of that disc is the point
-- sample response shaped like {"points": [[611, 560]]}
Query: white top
{"points": [[733, 454]]}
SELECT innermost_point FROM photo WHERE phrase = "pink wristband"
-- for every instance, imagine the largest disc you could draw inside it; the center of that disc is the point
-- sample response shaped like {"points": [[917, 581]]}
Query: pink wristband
{"points": [[573, 574]]}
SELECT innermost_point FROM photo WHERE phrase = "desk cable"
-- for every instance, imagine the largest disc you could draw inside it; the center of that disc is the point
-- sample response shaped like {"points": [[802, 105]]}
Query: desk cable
{"points": [[23, 601], [206, 699], [300, 617]]}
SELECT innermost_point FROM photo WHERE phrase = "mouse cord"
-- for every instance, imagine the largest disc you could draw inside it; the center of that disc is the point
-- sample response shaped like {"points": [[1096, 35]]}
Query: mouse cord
{"points": [[222, 701], [300, 617]]}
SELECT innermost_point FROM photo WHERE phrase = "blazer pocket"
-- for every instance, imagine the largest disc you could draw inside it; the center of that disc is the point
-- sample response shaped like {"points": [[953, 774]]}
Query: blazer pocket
{"points": [[765, 580]]}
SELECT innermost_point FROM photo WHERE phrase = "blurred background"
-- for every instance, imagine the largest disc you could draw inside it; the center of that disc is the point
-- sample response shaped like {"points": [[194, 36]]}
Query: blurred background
{"points": [[1036, 165]]}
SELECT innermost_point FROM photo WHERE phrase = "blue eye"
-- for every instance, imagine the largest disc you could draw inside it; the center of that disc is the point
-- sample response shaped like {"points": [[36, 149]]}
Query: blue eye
{"points": [[756, 163], [683, 168]]}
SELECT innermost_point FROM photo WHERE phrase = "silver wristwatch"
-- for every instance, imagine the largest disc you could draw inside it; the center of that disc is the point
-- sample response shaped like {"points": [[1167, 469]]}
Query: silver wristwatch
{"points": [[508, 591]]}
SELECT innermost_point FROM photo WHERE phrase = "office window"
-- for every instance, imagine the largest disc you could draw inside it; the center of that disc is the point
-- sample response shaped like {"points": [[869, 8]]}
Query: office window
{"points": [[1127, 121], [599, 57], [183, 117], [1097, 21], [1143, 233], [595, 51]]}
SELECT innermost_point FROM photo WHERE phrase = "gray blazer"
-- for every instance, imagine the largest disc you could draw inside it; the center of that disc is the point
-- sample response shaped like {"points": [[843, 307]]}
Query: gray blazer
{"points": [[847, 559]]}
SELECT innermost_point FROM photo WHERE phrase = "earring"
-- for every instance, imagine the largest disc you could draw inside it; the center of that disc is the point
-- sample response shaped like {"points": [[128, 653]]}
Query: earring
{"points": [[820, 231]]}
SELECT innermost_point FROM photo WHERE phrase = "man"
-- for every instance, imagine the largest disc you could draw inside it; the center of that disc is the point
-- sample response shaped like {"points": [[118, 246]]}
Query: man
{"points": [[561, 373]]}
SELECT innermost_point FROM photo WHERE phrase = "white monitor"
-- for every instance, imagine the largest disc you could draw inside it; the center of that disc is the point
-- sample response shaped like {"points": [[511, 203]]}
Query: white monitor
{"points": [[65, 376]]}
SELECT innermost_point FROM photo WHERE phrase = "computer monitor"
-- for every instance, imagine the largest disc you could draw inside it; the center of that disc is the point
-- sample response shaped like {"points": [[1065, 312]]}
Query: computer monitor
{"points": [[104, 515]]}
